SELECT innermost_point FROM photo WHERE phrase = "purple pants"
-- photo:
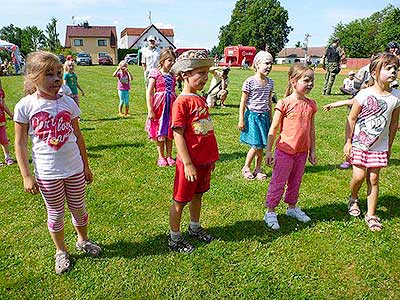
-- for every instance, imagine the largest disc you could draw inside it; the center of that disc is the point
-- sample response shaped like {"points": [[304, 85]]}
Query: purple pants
{"points": [[288, 169]]}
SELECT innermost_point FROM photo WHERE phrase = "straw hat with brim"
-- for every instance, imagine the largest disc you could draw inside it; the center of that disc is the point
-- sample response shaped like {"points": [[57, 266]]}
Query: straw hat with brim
{"points": [[190, 60]]}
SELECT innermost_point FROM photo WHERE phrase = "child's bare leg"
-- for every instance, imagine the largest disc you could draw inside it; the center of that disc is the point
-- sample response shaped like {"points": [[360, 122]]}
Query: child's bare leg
{"points": [[258, 159], [120, 109], [6, 150], [82, 233], [126, 109], [249, 158], [168, 147], [175, 215], [195, 208], [160, 149], [356, 182], [372, 190], [58, 239]]}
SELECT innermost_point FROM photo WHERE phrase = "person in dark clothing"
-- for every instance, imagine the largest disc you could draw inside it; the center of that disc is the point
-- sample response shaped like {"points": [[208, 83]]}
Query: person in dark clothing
{"points": [[331, 64]]}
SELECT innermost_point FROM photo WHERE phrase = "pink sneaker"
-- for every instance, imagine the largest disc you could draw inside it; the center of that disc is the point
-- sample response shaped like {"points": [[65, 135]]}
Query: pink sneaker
{"points": [[345, 165], [170, 161], [162, 162]]}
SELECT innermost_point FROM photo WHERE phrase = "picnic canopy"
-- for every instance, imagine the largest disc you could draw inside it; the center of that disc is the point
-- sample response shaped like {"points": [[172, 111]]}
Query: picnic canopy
{"points": [[10, 47]]}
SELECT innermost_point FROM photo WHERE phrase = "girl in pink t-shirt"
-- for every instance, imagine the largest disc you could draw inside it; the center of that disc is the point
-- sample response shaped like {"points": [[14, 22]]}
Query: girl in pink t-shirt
{"points": [[124, 85], [294, 117]]}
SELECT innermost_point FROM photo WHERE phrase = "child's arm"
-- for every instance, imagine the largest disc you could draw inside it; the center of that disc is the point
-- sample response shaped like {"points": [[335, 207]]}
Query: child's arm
{"points": [[311, 156], [190, 170], [21, 152], [116, 72], [79, 87], [273, 130], [82, 150], [351, 122], [393, 128], [130, 76], [338, 104], [242, 108], [149, 98], [6, 109], [270, 106]]}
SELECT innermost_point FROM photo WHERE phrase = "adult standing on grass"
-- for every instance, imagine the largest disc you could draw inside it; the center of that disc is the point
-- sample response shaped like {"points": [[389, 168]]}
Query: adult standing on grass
{"points": [[196, 146], [124, 86], [331, 64], [58, 153], [150, 57], [372, 126], [255, 114], [160, 96], [294, 118]]}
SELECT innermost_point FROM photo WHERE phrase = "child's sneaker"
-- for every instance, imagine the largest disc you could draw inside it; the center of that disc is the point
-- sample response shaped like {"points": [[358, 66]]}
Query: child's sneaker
{"points": [[180, 246], [88, 247], [298, 214], [63, 263], [171, 162], [201, 235], [345, 165], [271, 220], [162, 162], [9, 161]]}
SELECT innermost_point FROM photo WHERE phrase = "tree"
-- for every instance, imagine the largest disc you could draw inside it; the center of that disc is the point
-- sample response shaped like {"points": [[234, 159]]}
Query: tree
{"points": [[33, 39], [366, 36], [256, 23], [298, 44], [11, 34], [53, 43]]}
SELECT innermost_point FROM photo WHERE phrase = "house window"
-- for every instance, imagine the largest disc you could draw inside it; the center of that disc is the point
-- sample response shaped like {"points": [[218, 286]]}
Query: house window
{"points": [[78, 42], [101, 43]]}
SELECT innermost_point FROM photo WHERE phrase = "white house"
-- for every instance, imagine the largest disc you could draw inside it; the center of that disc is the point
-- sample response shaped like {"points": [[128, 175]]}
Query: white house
{"points": [[288, 55], [136, 38]]}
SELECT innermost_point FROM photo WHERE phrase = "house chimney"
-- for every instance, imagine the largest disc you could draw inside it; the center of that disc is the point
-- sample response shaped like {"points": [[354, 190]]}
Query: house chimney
{"points": [[86, 24]]}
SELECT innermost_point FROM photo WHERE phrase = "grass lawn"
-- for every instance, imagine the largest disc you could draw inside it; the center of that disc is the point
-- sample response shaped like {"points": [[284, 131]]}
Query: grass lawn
{"points": [[332, 257]]}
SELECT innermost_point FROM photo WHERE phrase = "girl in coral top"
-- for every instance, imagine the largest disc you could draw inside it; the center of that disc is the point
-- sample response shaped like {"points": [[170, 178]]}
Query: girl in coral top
{"points": [[294, 117]]}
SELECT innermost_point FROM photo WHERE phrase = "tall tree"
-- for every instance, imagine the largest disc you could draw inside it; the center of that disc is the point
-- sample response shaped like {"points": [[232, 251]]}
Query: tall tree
{"points": [[53, 43], [258, 23], [11, 34], [33, 39]]}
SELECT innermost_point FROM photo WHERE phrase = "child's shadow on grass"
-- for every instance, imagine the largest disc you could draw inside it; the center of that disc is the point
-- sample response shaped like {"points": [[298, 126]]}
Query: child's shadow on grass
{"points": [[230, 156], [248, 230], [114, 146]]}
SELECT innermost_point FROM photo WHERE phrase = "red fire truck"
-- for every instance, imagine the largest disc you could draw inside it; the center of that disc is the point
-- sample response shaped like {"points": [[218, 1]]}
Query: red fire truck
{"points": [[234, 55]]}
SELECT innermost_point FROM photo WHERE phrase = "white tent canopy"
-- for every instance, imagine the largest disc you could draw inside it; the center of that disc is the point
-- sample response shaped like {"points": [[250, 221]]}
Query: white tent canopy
{"points": [[7, 45]]}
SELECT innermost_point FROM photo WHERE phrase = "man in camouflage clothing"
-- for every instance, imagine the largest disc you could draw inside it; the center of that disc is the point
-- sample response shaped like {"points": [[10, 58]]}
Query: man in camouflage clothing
{"points": [[331, 61]]}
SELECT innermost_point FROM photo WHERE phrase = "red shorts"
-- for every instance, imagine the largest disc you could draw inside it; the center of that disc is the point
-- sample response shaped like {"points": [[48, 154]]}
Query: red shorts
{"points": [[185, 189], [3, 136]]}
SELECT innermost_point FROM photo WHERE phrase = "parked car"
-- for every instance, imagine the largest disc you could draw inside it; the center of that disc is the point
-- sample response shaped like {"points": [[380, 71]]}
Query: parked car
{"points": [[61, 57], [83, 58], [106, 60], [131, 58]]}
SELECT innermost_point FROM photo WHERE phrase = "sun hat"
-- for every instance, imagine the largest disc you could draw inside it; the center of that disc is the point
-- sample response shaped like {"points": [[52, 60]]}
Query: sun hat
{"points": [[151, 38], [190, 60], [261, 57], [352, 73]]}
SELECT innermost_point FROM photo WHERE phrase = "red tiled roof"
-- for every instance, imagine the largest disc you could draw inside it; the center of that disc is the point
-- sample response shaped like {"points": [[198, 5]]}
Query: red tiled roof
{"points": [[139, 31], [91, 31], [299, 52]]}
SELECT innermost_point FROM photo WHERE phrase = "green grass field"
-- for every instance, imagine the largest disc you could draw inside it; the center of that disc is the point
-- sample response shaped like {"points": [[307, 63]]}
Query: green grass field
{"points": [[332, 257]]}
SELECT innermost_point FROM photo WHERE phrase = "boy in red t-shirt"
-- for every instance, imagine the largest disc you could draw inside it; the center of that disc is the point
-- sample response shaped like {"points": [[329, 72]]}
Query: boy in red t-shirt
{"points": [[4, 142], [196, 146]]}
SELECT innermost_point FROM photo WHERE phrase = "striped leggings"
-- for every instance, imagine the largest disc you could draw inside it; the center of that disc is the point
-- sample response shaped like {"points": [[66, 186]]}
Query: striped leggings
{"points": [[54, 193]]}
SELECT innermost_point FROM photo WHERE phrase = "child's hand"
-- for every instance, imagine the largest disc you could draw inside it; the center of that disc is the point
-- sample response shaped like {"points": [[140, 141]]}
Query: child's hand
{"points": [[88, 175], [241, 125], [150, 115], [30, 185], [327, 107], [312, 158], [269, 159], [347, 150], [190, 172]]}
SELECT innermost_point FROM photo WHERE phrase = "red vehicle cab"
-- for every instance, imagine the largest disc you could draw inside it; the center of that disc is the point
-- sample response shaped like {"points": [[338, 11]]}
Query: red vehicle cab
{"points": [[105, 60], [234, 55]]}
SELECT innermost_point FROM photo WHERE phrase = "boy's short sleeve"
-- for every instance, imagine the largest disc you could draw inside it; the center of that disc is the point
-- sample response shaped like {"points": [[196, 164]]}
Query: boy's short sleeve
{"points": [[178, 115], [65, 76]]}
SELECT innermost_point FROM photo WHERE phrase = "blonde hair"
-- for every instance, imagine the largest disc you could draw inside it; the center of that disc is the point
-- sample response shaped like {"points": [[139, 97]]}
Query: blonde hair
{"points": [[122, 63], [37, 65], [296, 71], [378, 62], [164, 55], [66, 63]]}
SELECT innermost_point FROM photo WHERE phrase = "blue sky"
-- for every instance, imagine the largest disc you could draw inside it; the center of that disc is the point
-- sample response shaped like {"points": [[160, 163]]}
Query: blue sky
{"points": [[196, 23]]}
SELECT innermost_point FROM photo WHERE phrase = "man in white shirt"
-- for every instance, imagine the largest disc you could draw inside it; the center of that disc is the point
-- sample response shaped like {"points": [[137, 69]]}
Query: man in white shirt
{"points": [[150, 57], [348, 85]]}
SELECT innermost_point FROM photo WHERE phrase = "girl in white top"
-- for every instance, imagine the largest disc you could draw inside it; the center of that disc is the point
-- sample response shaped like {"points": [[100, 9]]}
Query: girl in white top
{"points": [[58, 152], [372, 126]]}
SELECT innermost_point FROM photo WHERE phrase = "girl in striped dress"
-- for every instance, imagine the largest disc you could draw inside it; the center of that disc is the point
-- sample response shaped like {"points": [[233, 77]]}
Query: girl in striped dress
{"points": [[160, 96], [372, 126], [58, 153], [255, 114]]}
